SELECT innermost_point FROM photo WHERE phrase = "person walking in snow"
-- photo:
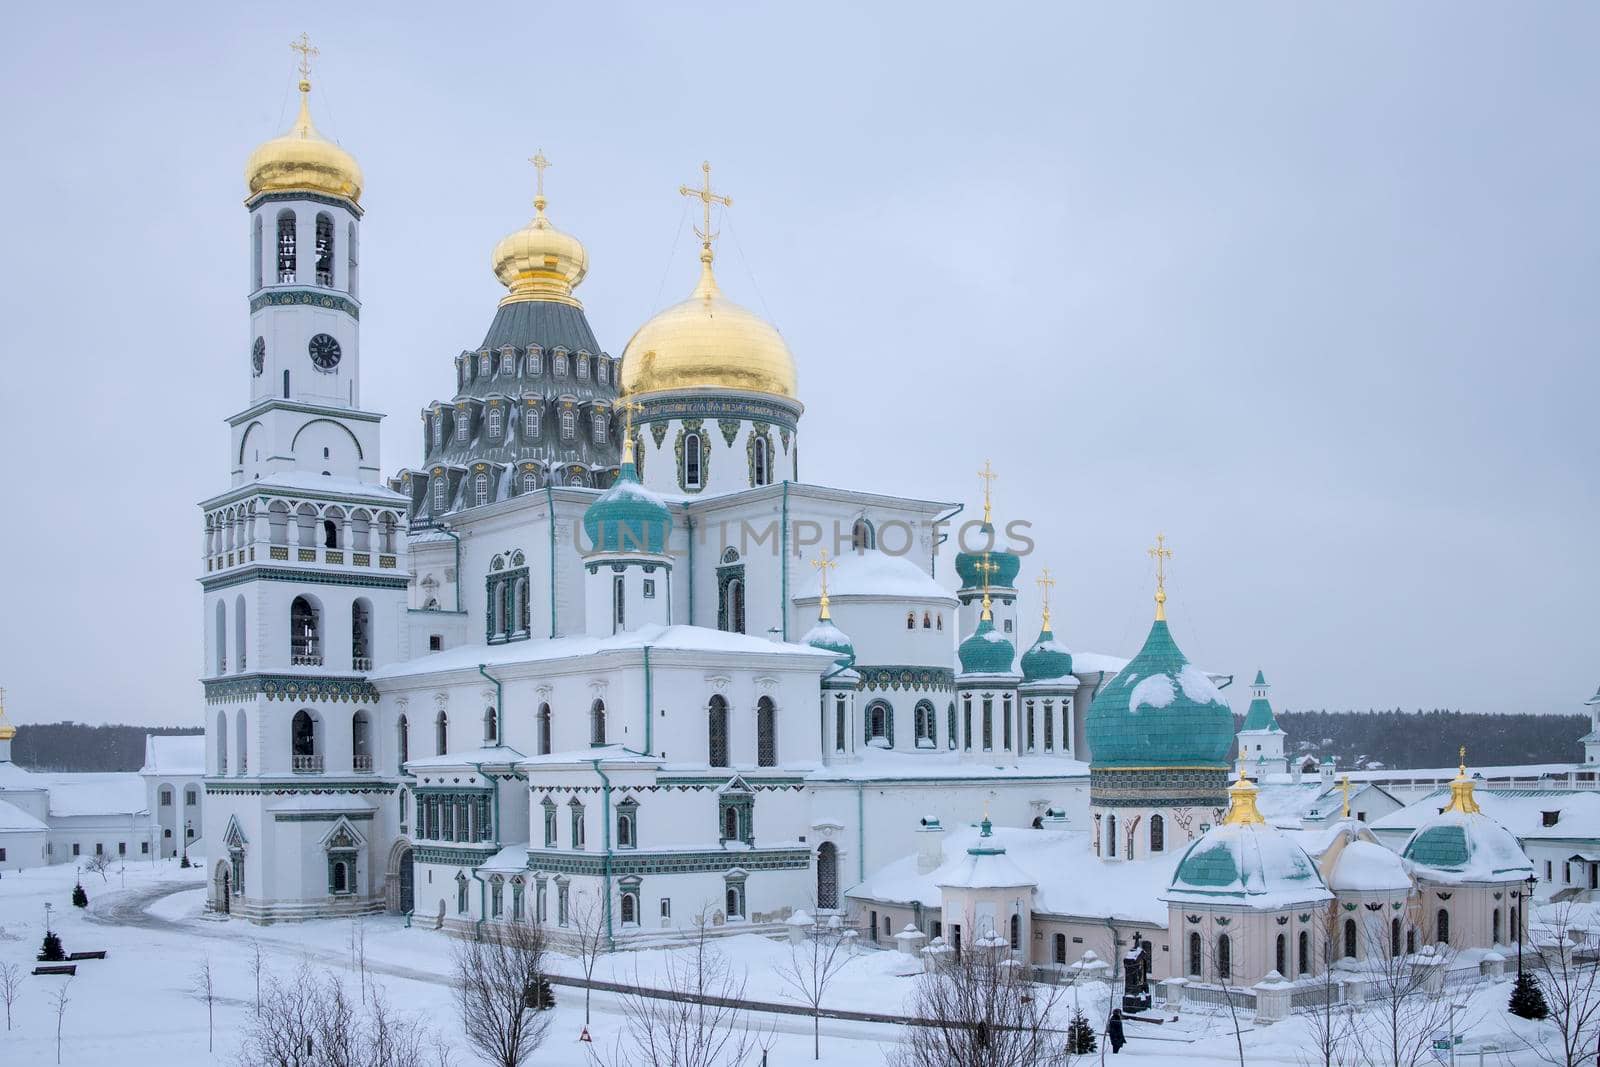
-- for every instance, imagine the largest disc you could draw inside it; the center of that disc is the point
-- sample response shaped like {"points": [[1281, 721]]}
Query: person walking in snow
{"points": [[1114, 1031]]}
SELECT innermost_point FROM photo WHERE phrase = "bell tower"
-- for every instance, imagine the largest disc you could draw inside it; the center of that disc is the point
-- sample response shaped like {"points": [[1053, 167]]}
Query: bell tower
{"points": [[305, 570]]}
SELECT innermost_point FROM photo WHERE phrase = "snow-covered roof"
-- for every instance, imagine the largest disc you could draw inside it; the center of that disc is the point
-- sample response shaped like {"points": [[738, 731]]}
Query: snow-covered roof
{"points": [[539, 650], [1061, 864], [13, 820], [110, 793], [306, 482], [174, 754], [877, 764], [1458, 846], [1368, 867], [13, 776], [610, 755], [509, 860], [875, 573], [983, 868], [1521, 811], [498, 755], [1250, 863]]}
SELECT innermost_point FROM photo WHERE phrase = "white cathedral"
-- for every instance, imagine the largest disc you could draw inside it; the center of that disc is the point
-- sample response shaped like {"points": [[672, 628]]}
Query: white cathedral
{"points": [[604, 644]]}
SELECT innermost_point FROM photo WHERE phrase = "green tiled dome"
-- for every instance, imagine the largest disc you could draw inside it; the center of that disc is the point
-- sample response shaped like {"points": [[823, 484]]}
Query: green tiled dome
{"points": [[1004, 576], [826, 635], [1456, 846], [986, 651], [1252, 863], [1046, 660], [628, 517], [1160, 711]]}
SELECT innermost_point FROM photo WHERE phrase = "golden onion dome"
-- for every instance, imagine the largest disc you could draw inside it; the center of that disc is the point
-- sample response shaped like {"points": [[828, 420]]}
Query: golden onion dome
{"points": [[303, 160], [539, 262], [708, 342]]}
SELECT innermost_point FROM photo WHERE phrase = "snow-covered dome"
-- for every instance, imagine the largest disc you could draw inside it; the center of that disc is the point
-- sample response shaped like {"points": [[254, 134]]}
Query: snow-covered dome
{"points": [[825, 635], [1368, 867], [628, 517], [874, 573], [1462, 844], [1248, 861], [987, 651], [1047, 660], [1160, 710], [985, 866]]}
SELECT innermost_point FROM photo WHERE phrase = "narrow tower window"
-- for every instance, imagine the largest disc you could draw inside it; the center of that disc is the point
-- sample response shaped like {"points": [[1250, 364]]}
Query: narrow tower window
{"points": [[691, 461], [324, 249], [255, 254], [286, 247]]}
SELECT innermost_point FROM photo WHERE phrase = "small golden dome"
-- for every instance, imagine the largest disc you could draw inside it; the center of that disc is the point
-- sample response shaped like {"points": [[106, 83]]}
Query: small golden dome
{"points": [[708, 342], [539, 262], [303, 160]]}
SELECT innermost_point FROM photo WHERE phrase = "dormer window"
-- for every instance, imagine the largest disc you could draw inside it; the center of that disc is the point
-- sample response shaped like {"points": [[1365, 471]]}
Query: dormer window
{"points": [[438, 428], [1549, 818], [438, 493], [599, 428], [602, 371], [530, 482], [483, 365], [463, 423], [560, 361], [535, 361], [530, 423], [583, 365], [568, 424], [494, 422], [461, 373], [508, 361], [480, 490]]}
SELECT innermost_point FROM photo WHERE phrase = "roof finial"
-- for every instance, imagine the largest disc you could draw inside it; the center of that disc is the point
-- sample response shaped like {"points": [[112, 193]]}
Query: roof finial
{"points": [[1461, 798], [1344, 787], [628, 408], [823, 565], [1242, 810], [988, 475], [303, 45], [1045, 583], [706, 198], [1160, 553], [986, 567], [7, 731], [540, 164]]}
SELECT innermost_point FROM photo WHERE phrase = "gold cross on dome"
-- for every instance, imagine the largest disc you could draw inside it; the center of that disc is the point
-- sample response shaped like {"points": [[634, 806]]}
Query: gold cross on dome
{"points": [[988, 475], [539, 164], [1045, 583], [706, 198], [986, 567], [307, 50], [1160, 553], [823, 565]]}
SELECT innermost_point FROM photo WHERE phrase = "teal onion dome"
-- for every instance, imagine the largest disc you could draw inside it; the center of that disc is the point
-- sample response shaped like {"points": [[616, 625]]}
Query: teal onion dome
{"points": [[1047, 660], [628, 517], [1007, 566], [828, 637], [986, 651], [1160, 711]]}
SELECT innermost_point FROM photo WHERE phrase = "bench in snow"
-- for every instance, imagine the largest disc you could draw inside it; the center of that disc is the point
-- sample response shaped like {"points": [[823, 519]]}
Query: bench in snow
{"points": [[100, 955], [57, 968]]}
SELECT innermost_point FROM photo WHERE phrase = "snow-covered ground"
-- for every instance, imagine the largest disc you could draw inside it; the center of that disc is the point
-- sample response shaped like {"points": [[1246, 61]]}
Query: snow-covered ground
{"points": [[136, 1008]]}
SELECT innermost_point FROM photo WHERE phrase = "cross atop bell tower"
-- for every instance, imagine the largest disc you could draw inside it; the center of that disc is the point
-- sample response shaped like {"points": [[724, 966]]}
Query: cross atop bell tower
{"points": [[706, 198]]}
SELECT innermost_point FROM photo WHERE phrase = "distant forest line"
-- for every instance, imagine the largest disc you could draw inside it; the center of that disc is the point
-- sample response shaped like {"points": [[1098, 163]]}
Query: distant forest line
{"points": [[1432, 738], [1394, 738], [78, 746]]}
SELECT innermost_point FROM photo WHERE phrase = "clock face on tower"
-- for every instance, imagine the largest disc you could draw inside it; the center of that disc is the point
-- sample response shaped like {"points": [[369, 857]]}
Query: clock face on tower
{"points": [[324, 351], [258, 356]]}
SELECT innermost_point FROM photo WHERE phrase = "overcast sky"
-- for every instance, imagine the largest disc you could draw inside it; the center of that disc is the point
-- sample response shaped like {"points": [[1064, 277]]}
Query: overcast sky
{"points": [[1311, 291]]}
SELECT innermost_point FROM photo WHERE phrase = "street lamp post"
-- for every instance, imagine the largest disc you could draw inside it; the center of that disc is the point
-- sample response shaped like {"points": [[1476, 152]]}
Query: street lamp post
{"points": [[1523, 900], [185, 862]]}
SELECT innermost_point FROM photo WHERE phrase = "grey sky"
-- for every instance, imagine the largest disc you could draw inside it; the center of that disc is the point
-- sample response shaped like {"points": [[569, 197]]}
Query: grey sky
{"points": [[1311, 291]]}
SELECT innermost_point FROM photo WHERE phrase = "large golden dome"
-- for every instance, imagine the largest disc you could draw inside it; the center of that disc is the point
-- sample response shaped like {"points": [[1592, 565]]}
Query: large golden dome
{"points": [[539, 262], [302, 160], [708, 342]]}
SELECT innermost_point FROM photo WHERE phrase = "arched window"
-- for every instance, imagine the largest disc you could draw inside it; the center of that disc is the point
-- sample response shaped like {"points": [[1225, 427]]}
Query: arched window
{"points": [[1196, 955], [530, 482], [988, 723], [1350, 939], [491, 728], [286, 385], [530, 420], [1305, 952], [766, 733], [461, 894], [861, 536], [1495, 939], [305, 638], [578, 835], [1281, 955], [544, 729], [827, 875], [619, 604], [1158, 841], [222, 742], [240, 645], [324, 249], [1443, 926], [1394, 934], [923, 725], [241, 741], [361, 635], [733, 605], [330, 534], [879, 719], [625, 830], [441, 730], [717, 731], [463, 419], [494, 422], [1016, 932], [1411, 941], [630, 908], [352, 261], [341, 878], [597, 723], [255, 254], [568, 424], [730, 823], [361, 741], [1224, 957], [438, 493], [840, 733], [403, 732], [1111, 836], [480, 490], [950, 727], [1059, 955], [760, 464], [735, 902], [220, 645], [286, 247], [691, 461], [303, 740]]}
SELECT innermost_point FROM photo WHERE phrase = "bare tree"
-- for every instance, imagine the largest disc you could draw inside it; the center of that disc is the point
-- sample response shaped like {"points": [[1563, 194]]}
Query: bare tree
{"points": [[983, 1010], [204, 988], [694, 1018], [311, 1021], [1220, 969], [358, 951], [10, 987], [1571, 985], [498, 978], [586, 918], [60, 999], [1332, 1025], [1407, 1003], [811, 966], [258, 967], [99, 863]]}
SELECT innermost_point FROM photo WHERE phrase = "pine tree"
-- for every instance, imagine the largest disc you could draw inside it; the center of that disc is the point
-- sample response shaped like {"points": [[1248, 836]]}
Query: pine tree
{"points": [[52, 952], [1080, 1035], [1527, 999], [80, 899], [544, 999]]}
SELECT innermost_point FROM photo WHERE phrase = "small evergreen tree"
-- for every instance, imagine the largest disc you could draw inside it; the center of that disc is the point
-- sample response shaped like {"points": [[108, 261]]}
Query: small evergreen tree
{"points": [[1527, 999], [1080, 1035], [80, 898], [543, 998], [52, 952]]}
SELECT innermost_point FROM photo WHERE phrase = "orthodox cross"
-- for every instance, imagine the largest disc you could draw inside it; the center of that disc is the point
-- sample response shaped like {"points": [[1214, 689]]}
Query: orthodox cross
{"points": [[1344, 787], [629, 408], [1463, 761], [1160, 553], [1045, 583], [988, 475], [540, 164], [303, 45], [824, 565], [706, 198], [986, 567]]}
